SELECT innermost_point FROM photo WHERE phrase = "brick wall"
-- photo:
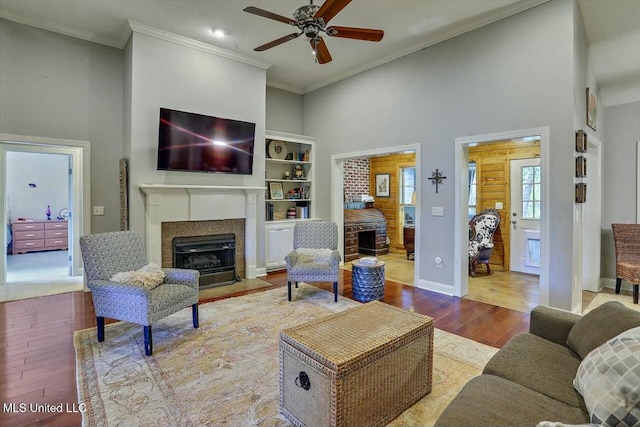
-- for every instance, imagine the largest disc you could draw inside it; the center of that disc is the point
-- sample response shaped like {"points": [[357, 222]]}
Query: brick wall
{"points": [[356, 177]]}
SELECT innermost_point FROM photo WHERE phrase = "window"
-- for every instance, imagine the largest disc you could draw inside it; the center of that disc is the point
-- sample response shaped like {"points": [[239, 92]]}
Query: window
{"points": [[472, 189], [407, 195], [531, 184]]}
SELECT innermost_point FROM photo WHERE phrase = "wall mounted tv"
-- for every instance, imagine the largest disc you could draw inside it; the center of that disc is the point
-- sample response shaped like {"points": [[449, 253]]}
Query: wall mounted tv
{"points": [[198, 143]]}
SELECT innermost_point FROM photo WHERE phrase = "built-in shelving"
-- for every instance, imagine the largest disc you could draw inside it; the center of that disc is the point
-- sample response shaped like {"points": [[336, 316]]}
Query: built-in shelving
{"points": [[295, 193]]}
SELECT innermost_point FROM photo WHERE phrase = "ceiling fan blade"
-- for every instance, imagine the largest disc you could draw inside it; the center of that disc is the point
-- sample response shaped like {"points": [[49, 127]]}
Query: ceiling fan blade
{"points": [[270, 15], [320, 49], [277, 42], [330, 8], [367, 34]]}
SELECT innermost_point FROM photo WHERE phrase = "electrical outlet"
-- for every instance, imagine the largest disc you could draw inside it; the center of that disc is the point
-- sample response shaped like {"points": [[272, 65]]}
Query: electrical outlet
{"points": [[499, 205], [437, 211], [98, 210]]}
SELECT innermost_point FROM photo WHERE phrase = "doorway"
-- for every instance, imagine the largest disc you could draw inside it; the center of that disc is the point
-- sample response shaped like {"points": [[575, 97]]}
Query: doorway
{"points": [[525, 215], [338, 203], [461, 277], [78, 155]]}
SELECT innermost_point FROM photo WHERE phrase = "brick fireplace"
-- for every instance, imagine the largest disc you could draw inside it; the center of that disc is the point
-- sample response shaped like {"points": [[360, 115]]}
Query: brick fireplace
{"points": [[199, 210]]}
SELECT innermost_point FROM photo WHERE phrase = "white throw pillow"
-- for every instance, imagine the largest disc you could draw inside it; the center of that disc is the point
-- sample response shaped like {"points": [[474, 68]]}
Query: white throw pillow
{"points": [[609, 381], [319, 256], [150, 276]]}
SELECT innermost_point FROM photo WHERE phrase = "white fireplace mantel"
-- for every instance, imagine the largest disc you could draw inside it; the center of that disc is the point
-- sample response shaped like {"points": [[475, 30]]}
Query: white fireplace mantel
{"points": [[166, 203]]}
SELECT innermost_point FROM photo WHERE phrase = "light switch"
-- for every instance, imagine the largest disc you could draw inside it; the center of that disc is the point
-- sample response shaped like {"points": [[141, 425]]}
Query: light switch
{"points": [[437, 211], [98, 210], [499, 205]]}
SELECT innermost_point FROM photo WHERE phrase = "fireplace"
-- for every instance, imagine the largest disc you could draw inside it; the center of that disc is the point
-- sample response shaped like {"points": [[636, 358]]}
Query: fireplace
{"points": [[367, 242], [213, 256]]}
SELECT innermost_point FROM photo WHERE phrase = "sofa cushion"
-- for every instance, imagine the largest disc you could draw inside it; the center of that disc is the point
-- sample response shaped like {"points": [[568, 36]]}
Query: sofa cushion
{"points": [[609, 380], [540, 365], [488, 400], [600, 325]]}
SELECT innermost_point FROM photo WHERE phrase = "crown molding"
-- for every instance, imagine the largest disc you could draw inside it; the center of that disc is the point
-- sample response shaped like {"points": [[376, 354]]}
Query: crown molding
{"points": [[61, 30], [194, 44]]}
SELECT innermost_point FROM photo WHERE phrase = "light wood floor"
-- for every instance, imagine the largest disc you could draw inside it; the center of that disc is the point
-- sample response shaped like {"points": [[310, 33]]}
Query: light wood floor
{"points": [[506, 289]]}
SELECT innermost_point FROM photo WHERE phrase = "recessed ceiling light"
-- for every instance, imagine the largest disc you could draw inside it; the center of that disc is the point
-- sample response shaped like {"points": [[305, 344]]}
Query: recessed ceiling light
{"points": [[219, 32]]}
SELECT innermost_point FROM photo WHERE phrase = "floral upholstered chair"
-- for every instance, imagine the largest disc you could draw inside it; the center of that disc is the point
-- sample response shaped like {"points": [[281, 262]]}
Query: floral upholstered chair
{"points": [[483, 227], [315, 256], [125, 287]]}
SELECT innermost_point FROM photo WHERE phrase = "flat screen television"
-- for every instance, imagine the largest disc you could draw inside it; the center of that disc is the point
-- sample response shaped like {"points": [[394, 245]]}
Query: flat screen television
{"points": [[199, 143]]}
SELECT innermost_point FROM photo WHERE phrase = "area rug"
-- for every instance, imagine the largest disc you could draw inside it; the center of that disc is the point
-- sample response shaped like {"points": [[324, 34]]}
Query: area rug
{"points": [[226, 372]]}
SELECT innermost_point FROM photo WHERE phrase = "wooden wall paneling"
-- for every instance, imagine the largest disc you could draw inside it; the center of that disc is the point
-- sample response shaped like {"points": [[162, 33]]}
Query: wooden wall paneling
{"points": [[389, 205]]}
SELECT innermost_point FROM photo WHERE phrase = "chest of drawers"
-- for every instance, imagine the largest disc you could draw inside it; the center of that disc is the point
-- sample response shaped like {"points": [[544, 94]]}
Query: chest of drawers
{"points": [[34, 236]]}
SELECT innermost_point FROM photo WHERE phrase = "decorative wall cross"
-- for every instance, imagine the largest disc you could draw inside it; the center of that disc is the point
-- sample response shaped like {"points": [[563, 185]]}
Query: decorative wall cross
{"points": [[436, 178]]}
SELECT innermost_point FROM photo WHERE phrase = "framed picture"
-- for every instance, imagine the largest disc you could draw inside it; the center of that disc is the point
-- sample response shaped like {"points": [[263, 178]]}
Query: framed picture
{"points": [[275, 191], [581, 141], [581, 167], [581, 193], [382, 185], [592, 110]]}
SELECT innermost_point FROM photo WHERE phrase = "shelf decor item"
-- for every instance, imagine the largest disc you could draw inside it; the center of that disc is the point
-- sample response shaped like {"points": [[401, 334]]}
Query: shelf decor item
{"points": [[277, 150], [275, 191], [592, 110], [581, 141], [382, 185]]}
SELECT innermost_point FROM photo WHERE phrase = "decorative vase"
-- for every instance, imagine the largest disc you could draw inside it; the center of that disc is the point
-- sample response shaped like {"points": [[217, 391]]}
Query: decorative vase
{"points": [[48, 212]]}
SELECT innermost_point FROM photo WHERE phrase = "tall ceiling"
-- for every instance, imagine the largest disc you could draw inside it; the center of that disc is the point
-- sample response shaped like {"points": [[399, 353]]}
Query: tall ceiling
{"points": [[612, 26]]}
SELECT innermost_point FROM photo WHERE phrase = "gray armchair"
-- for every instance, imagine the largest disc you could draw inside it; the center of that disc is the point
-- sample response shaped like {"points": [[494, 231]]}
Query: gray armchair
{"points": [[109, 253], [307, 262]]}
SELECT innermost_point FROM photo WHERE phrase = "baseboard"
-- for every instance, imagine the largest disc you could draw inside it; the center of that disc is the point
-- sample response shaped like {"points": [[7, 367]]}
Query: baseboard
{"points": [[252, 271], [440, 288], [607, 282], [260, 272]]}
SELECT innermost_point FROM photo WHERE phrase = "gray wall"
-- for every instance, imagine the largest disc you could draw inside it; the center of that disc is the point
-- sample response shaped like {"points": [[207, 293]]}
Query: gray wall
{"points": [[622, 131], [61, 87], [49, 173], [284, 111], [500, 77]]}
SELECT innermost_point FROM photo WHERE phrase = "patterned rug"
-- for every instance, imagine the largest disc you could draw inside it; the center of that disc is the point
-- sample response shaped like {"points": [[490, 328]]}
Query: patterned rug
{"points": [[226, 372]]}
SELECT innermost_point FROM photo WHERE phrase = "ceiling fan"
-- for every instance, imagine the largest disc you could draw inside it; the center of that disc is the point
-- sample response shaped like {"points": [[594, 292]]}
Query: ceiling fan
{"points": [[312, 20]]}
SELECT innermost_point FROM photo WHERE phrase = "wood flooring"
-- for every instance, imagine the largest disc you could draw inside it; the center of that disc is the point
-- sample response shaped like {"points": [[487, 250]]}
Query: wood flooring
{"points": [[37, 363]]}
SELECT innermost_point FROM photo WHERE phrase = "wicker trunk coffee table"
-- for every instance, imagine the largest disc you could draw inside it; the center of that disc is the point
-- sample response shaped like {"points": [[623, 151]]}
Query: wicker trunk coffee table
{"points": [[360, 367]]}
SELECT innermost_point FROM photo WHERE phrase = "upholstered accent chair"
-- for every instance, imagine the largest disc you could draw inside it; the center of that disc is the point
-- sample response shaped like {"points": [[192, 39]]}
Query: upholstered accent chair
{"points": [[627, 242], [483, 227], [315, 256], [106, 254]]}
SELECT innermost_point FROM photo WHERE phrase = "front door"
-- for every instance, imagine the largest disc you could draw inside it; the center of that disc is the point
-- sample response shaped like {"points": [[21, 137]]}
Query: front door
{"points": [[526, 209]]}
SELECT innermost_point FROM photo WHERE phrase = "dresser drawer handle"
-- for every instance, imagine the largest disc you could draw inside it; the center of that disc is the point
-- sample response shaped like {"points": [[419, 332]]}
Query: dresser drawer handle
{"points": [[57, 241], [30, 244], [29, 226], [57, 234], [57, 225], [29, 235]]}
